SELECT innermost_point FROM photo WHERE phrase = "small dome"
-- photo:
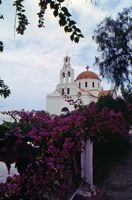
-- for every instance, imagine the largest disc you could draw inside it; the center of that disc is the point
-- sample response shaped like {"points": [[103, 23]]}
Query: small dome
{"points": [[87, 74]]}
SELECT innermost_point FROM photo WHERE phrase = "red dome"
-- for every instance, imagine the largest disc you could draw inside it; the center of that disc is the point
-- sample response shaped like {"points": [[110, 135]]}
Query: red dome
{"points": [[87, 74]]}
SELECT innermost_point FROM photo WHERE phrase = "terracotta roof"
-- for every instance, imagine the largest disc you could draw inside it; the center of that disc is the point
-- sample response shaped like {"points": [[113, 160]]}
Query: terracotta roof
{"points": [[87, 74], [82, 90], [88, 92], [105, 93], [91, 94]]}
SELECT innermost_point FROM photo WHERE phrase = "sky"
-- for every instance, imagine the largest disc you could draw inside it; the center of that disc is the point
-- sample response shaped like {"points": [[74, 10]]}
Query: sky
{"points": [[30, 64]]}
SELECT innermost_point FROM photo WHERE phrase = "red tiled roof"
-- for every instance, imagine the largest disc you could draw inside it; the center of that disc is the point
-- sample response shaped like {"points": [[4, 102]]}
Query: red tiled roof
{"points": [[105, 93], [82, 90], [87, 74], [88, 92]]}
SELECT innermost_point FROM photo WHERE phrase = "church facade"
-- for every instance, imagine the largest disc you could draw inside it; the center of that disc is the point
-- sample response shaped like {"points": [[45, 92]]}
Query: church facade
{"points": [[71, 92]]}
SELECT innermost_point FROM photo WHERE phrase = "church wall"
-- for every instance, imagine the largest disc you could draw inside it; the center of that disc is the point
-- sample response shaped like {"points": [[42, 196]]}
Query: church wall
{"points": [[88, 99], [92, 84], [72, 88], [55, 104]]}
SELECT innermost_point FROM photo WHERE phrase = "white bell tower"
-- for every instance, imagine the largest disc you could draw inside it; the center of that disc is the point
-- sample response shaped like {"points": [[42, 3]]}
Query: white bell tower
{"points": [[66, 73]]}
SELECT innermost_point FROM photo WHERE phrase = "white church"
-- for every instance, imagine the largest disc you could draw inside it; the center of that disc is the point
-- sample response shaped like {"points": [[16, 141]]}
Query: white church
{"points": [[70, 92]]}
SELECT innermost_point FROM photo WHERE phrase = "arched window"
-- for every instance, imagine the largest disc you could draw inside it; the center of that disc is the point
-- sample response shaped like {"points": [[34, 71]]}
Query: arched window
{"points": [[79, 84], [69, 74], [63, 77], [62, 91], [86, 84], [65, 110], [69, 77], [93, 84], [68, 90]]}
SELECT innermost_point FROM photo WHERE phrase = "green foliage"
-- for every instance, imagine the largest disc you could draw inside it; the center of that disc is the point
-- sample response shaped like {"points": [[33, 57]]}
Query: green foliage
{"points": [[64, 20], [127, 94], [22, 19], [1, 46], [4, 90], [6, 127], [1, 43], [113, 38], [59, 11], [117, 105], [114, 146]]}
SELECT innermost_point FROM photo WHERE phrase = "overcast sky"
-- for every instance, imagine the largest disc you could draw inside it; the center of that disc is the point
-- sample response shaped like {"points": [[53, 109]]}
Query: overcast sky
{"points": [[30, 64]]}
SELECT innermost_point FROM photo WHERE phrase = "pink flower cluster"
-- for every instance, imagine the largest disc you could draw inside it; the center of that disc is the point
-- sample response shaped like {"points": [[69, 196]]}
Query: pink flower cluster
{"points": [[59, 140]]}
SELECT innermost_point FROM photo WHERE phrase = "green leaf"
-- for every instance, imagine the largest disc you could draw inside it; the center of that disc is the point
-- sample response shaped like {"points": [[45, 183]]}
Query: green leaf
{"points": [[52, 4], [60, 1], [66, 28], [76, 39], [55, 12], [69, 29], [1, 17], [80, 35], [72, 37], [1, 46], [72, 23], [66, 12], [61, 15], [62, 22], [78, 30]]}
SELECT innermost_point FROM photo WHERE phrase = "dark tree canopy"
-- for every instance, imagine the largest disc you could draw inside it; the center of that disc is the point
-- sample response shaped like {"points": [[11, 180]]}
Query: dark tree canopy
{"points": [[114, 40], [127, 93], [4, 90], [59, 11]]}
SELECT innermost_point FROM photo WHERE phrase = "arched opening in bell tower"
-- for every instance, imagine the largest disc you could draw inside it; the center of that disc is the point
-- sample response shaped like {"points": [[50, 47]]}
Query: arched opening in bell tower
{"points": [[63, 77], [69, 77]]}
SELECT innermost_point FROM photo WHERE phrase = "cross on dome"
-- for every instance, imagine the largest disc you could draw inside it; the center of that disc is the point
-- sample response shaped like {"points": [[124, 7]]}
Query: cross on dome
{"points": [[87, 68]]}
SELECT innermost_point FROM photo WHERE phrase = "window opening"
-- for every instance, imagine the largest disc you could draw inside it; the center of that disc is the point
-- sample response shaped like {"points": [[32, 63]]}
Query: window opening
{"points": [[62, 91]]}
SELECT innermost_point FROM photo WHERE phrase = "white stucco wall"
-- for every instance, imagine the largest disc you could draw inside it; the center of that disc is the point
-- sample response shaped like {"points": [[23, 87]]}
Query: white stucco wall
{"points": [[6, 118], [54, 104], [71, 86], [87, 99], [56, 101], [89, 84]]}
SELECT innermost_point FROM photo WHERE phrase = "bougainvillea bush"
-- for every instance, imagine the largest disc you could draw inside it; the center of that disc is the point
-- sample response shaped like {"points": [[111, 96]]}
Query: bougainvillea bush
{"points": [[118, 105], [53, 164]]}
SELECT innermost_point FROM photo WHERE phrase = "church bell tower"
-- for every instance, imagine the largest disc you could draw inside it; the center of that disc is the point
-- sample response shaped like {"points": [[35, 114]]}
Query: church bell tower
{"points": [[66, 73]]}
